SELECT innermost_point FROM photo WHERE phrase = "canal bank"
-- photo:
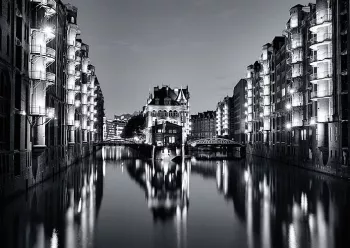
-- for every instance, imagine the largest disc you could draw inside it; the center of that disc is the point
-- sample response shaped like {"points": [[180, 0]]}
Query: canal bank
{"points": [[44, 166], [313, 163]]}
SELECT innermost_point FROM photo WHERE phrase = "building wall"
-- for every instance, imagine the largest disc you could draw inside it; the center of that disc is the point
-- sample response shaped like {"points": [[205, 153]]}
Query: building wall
{"points": [[37, 95], [239, 111], [203, 125], [224, 111], [308, 83]]}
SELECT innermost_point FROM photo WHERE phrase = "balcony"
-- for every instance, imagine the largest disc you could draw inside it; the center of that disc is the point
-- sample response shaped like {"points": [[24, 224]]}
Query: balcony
{"points": [[70, 122], [320, 58], [37, 49], [324, 118], [37, 111], [296, 45], [321, 21], [315, 95], [297, 123], [50, 55], [320, 40], [38, 75], [51, 78], [315, 77], [77, 74]]}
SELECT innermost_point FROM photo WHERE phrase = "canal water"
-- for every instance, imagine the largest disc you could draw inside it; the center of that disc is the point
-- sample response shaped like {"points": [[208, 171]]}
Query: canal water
{"points": [[116, 200]]}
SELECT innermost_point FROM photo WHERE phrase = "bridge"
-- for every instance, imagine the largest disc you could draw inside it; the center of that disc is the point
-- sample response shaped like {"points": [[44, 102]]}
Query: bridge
{"points": [[214, 142], [120, 142]]}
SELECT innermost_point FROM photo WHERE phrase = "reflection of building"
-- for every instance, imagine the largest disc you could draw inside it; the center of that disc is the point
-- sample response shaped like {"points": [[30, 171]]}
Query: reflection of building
{"points": [[166, 185], [224, 112], [168, 105], [56, 214], [203, 125]]}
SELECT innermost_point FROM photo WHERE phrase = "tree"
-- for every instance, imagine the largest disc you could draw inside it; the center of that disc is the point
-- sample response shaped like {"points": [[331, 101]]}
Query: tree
{"points": [[134, 127]]}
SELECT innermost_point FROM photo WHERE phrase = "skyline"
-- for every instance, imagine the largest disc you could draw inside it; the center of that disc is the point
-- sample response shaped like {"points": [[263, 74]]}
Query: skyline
{"points": [[192, 43]]}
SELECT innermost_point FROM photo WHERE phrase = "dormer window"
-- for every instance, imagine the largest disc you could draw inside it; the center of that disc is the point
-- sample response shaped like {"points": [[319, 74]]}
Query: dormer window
{"points": [[157, 101], [167, 101]]}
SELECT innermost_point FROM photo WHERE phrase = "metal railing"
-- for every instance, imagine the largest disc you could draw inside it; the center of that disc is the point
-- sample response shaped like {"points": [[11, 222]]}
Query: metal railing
{"points": [[50, 52], [321, 38]]}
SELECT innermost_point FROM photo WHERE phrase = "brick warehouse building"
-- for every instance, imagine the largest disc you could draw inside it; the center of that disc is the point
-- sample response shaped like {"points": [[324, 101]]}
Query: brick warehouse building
{"points": [[203, 125], [45, 74], [297, 92]]}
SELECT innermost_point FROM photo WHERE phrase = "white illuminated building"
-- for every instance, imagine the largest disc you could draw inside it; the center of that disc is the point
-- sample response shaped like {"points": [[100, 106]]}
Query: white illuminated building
{"points": [[41, 57], [168, 105]]}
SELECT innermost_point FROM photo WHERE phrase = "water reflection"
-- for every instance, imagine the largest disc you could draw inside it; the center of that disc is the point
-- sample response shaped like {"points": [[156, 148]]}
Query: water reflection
{"points": [[59, 213], [247, 203], [166, 186], [283, 206]]}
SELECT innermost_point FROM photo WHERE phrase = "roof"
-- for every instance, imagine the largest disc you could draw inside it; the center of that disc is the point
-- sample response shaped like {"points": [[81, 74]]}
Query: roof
{"points": [[176, 96]]}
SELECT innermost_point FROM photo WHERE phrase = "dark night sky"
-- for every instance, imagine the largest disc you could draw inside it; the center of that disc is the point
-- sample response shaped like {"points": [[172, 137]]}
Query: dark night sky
{"points": [[205, 44]]}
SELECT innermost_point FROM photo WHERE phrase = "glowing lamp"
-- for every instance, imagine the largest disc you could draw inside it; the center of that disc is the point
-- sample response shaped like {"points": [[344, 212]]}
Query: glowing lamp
{"points": [[288, 125], [261, 115], [77, 123], [292, 91], [313, 122], [48, 30], [288, 106], [246, 104], [50, 113]]}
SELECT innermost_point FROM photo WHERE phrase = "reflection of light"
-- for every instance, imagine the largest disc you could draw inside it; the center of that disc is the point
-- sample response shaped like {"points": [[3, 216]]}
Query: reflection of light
{"points": [[104, 168], [225, 178], [311, 223], [246, 176], [292, 237], [304, 202], [312, 122], [288, 106], [54, 239], [218, 175], [79, 206]]}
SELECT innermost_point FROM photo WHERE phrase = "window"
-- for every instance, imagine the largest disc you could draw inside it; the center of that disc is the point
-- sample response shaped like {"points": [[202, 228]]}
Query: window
{"points": [[8, 12], [0, 7], [8, 45]]}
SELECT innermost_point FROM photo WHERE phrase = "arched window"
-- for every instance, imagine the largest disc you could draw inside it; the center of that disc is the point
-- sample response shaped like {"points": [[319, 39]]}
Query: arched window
{"points": [[165, 113], [160, 113], [175, 114], [154, 114], [170, 113]]}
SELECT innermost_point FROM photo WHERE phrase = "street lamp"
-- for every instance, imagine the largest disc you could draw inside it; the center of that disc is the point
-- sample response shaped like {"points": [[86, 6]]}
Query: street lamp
{"points": [[288, 106], [288, 125]]}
